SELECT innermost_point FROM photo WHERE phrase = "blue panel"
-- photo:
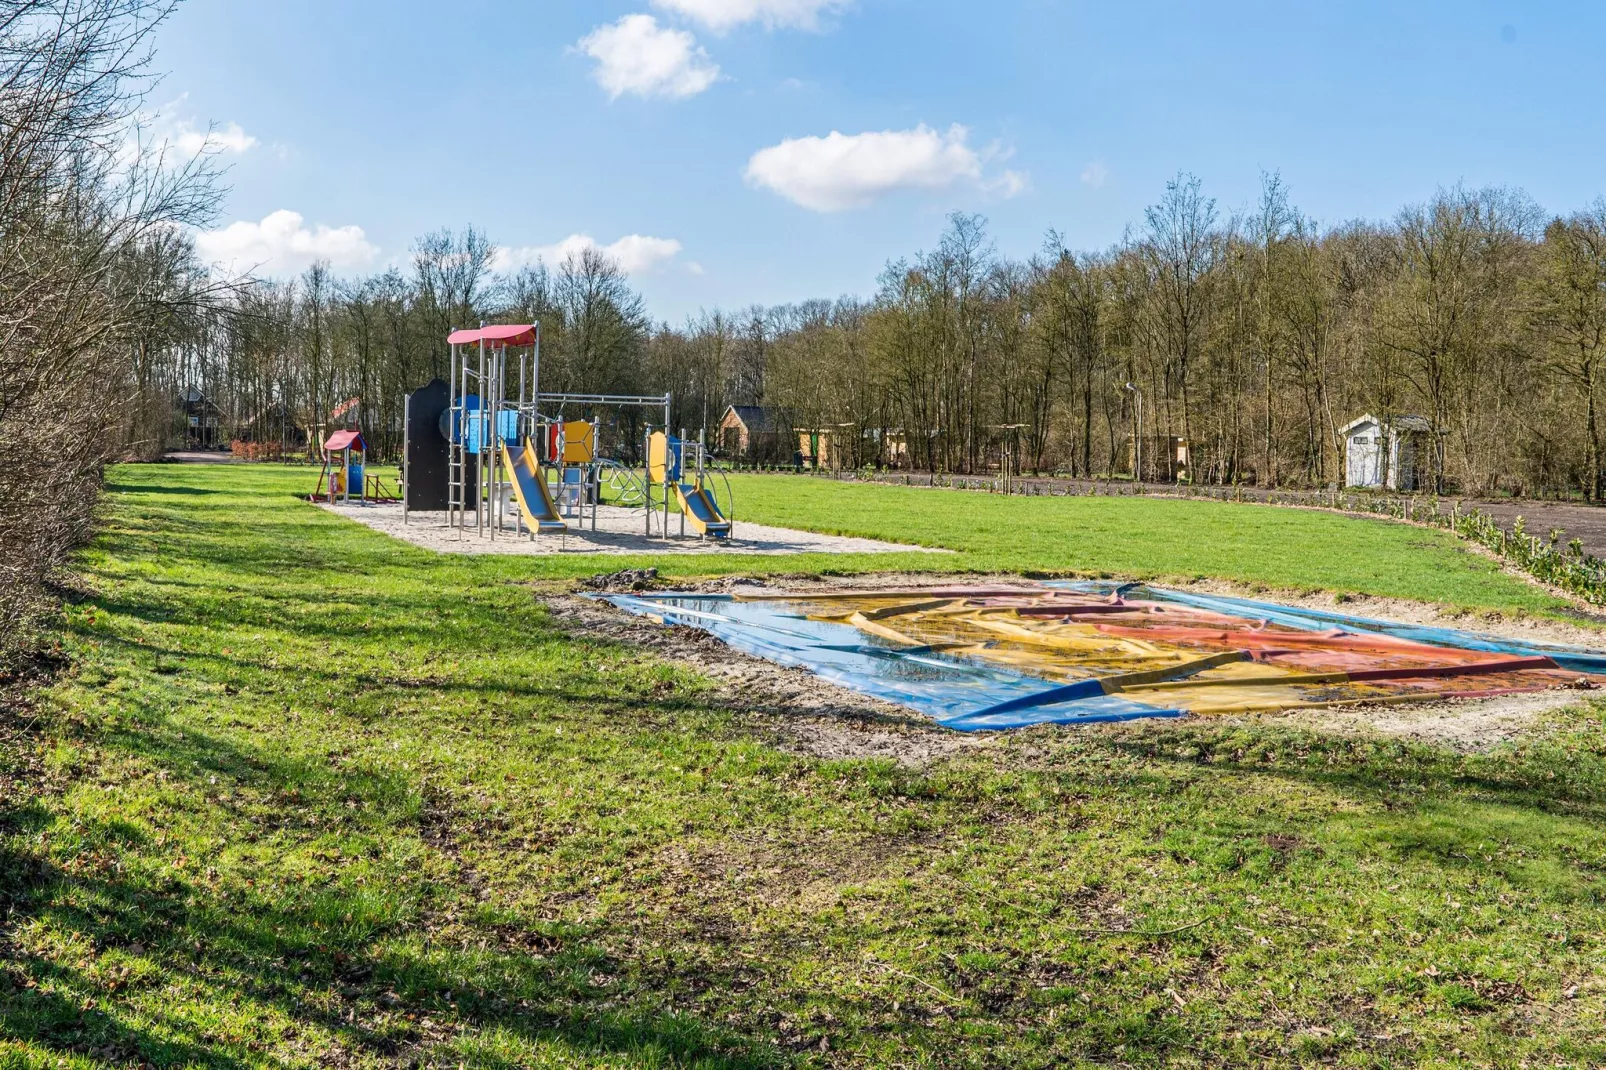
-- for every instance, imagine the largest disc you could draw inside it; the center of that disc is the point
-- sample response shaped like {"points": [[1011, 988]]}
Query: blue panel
{"points": [[477, 426], [676, 449]]}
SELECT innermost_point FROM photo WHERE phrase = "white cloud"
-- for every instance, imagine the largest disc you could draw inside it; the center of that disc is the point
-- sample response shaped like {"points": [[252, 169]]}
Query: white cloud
{"points": [[841, 171], [634, 253], [722, 15], [1095, 174], [636, 55], [162, 135], [1008, 184], [282, 244], [228, 137]]}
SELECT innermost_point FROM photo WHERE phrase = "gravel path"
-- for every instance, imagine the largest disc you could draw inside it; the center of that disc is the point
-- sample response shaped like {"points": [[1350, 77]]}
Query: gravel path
{"points": [[619, 531]]}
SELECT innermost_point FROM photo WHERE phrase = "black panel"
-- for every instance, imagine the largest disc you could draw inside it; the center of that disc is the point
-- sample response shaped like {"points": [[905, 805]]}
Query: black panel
{"points": [[426, 448]]}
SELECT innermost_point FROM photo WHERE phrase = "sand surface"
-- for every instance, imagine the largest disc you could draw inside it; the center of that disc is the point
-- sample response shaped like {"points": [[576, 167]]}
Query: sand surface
{"points": [[619, 531]]}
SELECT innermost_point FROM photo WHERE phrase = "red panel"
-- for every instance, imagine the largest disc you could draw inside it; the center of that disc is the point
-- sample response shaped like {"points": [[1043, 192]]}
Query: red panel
{"points": [[504, 334]]}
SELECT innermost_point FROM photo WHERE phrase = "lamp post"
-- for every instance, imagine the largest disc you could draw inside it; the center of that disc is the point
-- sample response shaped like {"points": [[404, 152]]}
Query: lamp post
{"points": [[1137, 439]]}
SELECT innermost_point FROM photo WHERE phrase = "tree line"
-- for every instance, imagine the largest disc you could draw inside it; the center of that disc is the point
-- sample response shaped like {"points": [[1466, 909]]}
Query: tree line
{"points": [[1251, 336]]}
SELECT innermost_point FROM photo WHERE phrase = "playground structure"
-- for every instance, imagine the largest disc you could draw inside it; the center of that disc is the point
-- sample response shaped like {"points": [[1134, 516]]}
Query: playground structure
{"points": [[1075, 652], [344, 473], [513, 462]]}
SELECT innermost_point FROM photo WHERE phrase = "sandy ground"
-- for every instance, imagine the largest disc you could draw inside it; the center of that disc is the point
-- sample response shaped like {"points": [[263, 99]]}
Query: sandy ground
{"points": [[619, 531], [805, 714]]}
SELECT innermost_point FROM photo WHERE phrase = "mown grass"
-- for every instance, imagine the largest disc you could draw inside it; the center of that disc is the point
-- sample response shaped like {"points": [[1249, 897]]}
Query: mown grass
{"points": [[308, 797], [1151, 538]]}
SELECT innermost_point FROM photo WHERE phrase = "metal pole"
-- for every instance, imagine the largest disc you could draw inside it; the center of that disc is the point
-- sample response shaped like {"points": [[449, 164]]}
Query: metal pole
{"points": [[452, 458], [480, 474], [460, 434], [493, 391], [407, 422], [665, 528], [523, 432]]}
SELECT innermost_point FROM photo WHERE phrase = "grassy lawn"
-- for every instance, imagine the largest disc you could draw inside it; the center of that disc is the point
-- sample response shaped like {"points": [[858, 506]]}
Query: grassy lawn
{"points": [[306, 796], [1149, 538]]}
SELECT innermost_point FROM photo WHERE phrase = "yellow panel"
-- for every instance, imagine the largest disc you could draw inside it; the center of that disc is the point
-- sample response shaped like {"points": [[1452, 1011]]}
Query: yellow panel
{"points": [[579, 442], [657, 457]]}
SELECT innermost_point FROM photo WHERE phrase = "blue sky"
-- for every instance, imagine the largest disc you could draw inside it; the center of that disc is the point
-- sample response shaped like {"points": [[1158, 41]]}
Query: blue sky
{"points": [[352, 126]]}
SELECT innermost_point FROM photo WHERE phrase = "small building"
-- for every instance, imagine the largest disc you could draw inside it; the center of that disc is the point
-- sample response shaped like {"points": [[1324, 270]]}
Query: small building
{"points": [[1162, 459], [1385, 453], [752, 432], [201, 420], [889, 446], [816, 448]]}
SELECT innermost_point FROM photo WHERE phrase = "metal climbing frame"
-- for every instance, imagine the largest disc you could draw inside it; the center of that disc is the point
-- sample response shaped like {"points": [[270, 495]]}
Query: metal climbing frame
{"points": [[485, 414], [624, 401], [478, 427]]}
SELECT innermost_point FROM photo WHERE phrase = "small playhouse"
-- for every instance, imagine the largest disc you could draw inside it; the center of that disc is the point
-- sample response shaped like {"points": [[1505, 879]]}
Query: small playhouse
{"points": [[1386, 453]]}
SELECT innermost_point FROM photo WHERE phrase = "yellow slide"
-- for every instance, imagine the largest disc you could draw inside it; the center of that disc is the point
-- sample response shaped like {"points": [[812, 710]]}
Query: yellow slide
{"points": [[534, 496], [701, 512]]}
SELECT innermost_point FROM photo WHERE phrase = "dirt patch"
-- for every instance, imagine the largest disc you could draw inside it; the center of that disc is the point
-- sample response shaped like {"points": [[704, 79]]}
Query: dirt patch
{"points": [[804, 714], [796, 710], [626, 579], [1467, 725]]}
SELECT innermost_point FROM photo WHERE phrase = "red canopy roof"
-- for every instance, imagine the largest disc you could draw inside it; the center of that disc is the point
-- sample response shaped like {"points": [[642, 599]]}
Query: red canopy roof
{"points": [[345, 440], [502, 334]]}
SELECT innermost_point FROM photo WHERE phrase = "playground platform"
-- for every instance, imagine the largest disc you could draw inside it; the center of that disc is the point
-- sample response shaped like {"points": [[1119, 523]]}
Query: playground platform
{"points": [[618, 531]]}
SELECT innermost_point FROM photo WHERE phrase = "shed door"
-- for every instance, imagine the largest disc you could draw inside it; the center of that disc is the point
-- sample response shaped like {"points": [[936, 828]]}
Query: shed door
{"points": [[1365, 457]]}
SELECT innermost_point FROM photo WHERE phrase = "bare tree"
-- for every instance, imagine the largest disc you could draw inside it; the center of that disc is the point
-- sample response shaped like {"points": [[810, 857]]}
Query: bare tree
{"points": [[1569, 314]]}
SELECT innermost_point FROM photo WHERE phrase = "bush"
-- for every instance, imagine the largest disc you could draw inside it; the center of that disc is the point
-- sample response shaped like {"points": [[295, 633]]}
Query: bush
{"points": [[98, 278], [257, 451]]}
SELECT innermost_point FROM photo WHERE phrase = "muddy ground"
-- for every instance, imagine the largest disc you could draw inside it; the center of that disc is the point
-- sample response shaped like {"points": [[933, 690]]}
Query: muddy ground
{"points": [[805, 714]]}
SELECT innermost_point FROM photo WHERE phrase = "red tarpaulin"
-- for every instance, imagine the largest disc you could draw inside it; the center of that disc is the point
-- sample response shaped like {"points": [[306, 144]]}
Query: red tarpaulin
{"points": [[345, 440], [504, 334]]}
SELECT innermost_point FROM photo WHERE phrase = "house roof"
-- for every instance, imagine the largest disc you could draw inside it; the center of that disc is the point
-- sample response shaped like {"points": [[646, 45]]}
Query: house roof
{"points": [[758, 419], [1406, 422]]}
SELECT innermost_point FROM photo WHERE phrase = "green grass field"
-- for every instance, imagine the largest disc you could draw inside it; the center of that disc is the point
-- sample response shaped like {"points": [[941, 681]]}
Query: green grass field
{"points": [[1150, 538], [305, 796]]}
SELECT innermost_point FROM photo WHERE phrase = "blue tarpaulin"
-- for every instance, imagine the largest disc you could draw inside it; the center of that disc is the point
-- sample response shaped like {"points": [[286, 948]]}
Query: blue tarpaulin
{"points": [[955, 691], [1575, 659], [968, 693]]}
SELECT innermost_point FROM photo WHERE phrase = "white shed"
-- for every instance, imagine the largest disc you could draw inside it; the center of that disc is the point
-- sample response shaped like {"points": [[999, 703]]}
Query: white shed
{"points": [[1385, 453]]}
